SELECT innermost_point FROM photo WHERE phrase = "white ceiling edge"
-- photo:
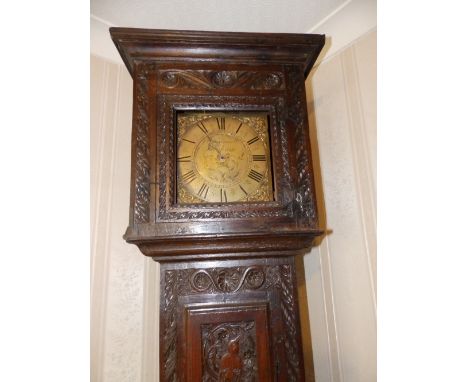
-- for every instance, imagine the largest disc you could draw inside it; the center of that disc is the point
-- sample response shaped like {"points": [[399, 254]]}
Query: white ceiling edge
{"points": [[101, 43], [346, 23]]}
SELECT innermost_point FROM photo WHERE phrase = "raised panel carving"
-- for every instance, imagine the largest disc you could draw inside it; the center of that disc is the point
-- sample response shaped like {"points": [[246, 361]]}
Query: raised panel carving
{"points": [[212, 79], [229, 352], [227, 280]]}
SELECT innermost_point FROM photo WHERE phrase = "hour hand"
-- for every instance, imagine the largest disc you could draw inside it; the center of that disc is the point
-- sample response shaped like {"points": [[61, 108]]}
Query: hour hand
{"points": [[214, 146]]}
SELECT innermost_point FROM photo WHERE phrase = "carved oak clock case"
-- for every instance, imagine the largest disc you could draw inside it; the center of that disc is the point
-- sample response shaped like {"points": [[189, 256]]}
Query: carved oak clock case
{"points": [[222, 195]]}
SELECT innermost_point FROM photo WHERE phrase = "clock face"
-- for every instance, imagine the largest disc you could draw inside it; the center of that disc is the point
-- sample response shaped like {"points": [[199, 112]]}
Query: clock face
{"points": [[223, 157]]}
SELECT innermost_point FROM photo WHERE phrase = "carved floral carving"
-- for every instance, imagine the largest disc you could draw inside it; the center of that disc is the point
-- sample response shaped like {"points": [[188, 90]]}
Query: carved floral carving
{"points": [[290, 320], [142, 168], [227, 280], [229, 352], [303, 198], [209, 79]]}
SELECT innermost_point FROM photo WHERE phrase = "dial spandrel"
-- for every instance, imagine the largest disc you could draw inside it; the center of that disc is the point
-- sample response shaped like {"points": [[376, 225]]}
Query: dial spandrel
{"points": [[223, 158]]}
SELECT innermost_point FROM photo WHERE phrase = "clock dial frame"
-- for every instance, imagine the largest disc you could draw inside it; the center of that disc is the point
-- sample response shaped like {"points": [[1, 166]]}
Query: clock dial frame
{"points": [[223, 157]]}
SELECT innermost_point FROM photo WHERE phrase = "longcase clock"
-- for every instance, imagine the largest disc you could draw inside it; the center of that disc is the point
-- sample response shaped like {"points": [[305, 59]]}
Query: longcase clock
{"points": [[222, 195]]}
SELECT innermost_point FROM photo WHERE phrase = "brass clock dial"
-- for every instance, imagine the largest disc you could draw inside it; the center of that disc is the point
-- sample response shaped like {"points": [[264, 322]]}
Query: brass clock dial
{"points": [[223, 157]]}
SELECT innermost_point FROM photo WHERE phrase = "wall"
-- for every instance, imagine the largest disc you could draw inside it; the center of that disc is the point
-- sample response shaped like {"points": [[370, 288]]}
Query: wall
{"points": [[340, 273], [123, 282]]}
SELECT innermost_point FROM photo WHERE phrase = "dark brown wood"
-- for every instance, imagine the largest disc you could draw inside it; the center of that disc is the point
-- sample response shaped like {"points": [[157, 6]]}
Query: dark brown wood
{"points": [[228, 291], [136, 45], [254, 297], [231, 342]]}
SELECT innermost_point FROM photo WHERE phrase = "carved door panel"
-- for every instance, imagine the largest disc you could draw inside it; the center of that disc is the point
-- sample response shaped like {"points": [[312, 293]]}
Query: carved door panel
{"points": [[228, 343], [230, 321]]}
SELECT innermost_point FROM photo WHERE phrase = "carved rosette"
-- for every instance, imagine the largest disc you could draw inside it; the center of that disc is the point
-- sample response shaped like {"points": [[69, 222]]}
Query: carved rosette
{"points": [[225, 78], [229, 352], [212, 79]]}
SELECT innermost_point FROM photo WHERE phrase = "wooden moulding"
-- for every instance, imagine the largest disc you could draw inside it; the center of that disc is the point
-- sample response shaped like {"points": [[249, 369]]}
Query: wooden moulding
{"points": [[135, 44]]}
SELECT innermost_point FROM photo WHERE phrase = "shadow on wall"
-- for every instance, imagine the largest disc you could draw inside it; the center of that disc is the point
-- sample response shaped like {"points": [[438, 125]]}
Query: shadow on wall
{"points": [[301, 281]]}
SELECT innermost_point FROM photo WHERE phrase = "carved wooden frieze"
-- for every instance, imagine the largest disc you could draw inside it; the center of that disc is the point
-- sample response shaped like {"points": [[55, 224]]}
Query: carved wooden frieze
{"points": [[229, 352], [289, 312], [212, 79], [229, 280], [142, 166]]}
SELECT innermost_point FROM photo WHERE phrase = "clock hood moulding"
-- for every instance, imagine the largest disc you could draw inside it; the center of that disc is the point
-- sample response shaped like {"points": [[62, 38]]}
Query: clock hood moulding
{"points": [[136, 44], [219, 72]]}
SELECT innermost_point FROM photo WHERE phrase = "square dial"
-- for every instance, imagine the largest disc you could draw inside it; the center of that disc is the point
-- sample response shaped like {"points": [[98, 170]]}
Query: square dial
{"points": [[223, 157]]}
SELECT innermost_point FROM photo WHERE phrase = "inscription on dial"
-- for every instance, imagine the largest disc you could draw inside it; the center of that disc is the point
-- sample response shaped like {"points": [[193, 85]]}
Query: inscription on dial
{"points": [[223, 158]]}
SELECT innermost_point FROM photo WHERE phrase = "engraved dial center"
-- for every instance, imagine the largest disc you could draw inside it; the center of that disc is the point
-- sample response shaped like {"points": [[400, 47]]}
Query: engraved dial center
{"points": [[222, 160]]}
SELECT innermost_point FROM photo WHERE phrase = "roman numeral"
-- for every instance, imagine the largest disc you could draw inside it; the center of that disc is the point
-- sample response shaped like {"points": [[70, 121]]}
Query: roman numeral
{"points": [[259, 158], [253, 140], [242, 188], [221, 194], [184, 159], [202, 127], [189, 176], [188, 140], [221, 121], [203, 191], [255, 175], [239, 128]]}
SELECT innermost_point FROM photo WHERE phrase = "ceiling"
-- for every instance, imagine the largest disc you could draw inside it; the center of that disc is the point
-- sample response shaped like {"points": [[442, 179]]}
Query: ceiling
{"points": [[342, 21], [298, 16]]}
